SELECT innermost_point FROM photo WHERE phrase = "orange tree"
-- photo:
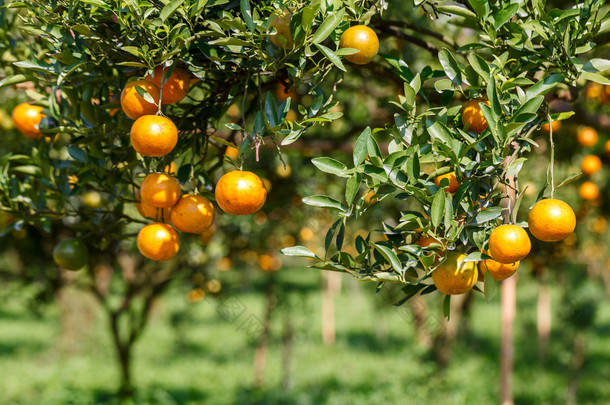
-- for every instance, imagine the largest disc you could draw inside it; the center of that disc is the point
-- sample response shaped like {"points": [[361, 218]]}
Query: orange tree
{"points": [[128, 109], [178, 69], [457, 145]]}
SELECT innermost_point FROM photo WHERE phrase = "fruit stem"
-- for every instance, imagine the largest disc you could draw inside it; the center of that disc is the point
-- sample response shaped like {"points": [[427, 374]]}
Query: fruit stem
{"points": [[552, 162], [161, 90]]}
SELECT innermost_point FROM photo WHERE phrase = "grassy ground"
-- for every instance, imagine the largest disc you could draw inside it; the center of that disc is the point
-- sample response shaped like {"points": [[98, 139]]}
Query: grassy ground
{"points": [[192, 355]]}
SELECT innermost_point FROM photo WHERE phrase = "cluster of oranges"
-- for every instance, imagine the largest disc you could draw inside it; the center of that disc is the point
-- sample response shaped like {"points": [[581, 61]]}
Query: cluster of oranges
{"points": [[152, 134], [359, 37], [160, 197], [590, 164], [550, 220]]}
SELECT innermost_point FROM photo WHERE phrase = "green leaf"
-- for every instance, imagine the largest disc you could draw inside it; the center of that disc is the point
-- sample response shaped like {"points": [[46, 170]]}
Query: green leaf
{"points": [[77, 154], [515, 167], [450, 66], [569, 179], [351, 188], [596, 65], [328, 26], [97, 3], [494, 101], [331, 56], [233, 126], [329, 165], [15, 79], [480, 65], [447, 301], [413, 167], [271, 111], [169, 9], [230, 41], [505, 15], [299, 251], [530, 107], [438, 208], [457, 10], [360, 147], [489, 287], [545, 85], [247, 14], [595, 77], [480, 7], [487, 215], [376, 173], [323, 201], [390, 256], [475, 257]]}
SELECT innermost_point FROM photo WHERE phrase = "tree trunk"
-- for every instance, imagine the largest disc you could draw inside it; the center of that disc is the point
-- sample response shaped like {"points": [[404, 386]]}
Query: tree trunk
{"points": [[123, 351], [508, 308]]}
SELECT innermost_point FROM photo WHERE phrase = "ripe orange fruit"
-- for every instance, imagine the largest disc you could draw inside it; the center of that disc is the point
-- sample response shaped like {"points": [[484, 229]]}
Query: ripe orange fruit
{"points": [[27, 119], [153, 135], [370, 197], [134, 106], [148, 211], [591, 164], [556, 125], [453, 182], [291, 116], [282, 26], [170, 168], [588, 191], [282, 93], [551, 220], [269, 263], [363, 39], [158, 242], [160, 190], [232, 152], [509, 244], [499, 271], [594, 90], [472, 116], [425, 241], [175, 88], [70, 254], [606, 94], [192, 214], [240, 193], [455, 276], [587, 136]]}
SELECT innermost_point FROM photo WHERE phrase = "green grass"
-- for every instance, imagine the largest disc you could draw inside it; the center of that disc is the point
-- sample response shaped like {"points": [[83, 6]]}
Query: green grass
{"points": [[191, 355]]}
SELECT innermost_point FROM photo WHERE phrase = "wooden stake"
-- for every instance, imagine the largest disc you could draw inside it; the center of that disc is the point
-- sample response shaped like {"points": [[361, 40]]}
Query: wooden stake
{"points": [[331, 282], [508, 308]]}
